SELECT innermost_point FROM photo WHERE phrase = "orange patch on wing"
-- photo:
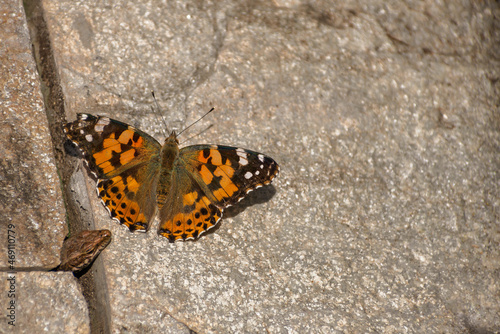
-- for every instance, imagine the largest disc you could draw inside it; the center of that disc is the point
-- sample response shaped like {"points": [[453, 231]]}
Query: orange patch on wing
{"points": [[126, 136], [206, 175], [138, 143], [205, 200], [127, 156], [110, 141], [132, 184], [176, 225], [201, 157], [227, 169], [103, 156], [122, 208], [110, 195], [216, 157], [229, 187], [220, 194], [117, 179], [106, 167], [189, 198]]}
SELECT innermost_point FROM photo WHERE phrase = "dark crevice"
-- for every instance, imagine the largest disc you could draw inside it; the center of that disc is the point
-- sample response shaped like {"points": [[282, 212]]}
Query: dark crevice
{"points": [[93, 282]]}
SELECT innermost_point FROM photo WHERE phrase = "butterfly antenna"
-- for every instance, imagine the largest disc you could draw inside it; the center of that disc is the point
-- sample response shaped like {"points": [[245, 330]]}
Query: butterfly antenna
{"points": [[196, 135], [159, 112], [199, 119]]}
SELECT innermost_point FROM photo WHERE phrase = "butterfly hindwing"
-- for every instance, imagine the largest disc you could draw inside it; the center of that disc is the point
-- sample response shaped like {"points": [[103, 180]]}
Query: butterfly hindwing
{"points": [[125, 160], [188, 212]]}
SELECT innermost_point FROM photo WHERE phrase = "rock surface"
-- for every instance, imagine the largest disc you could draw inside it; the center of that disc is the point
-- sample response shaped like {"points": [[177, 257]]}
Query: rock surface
{"points": [[383, 116]]}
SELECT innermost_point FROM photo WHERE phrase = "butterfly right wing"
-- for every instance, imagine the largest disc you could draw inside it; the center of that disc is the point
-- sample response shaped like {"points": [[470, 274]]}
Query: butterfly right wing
{"points": [[207, 179], [126, 162]]}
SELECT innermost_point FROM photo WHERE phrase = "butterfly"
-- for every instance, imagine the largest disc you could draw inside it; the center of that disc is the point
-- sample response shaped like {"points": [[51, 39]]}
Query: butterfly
{"points": [[189, 187]]}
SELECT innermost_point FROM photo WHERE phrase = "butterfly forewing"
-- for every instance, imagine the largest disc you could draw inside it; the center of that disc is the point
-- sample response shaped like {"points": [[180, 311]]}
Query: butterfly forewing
{"points": [[226, 174]]}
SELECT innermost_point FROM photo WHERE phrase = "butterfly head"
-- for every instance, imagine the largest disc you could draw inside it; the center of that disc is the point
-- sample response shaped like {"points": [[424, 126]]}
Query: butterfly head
{"points": [[172, 139]]}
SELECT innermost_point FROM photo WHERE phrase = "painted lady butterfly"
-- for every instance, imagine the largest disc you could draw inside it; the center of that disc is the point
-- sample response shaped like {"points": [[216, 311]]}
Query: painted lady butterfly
{"points": [[190, 187]]}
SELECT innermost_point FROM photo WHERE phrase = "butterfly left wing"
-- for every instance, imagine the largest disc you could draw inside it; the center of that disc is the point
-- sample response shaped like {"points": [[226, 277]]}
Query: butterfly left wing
{"points": [[126, 162], [210, 178]]}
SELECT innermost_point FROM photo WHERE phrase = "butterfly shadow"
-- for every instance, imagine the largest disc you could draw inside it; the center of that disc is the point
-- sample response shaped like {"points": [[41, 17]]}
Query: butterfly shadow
{"points": [[71, 149], [258, 196]]}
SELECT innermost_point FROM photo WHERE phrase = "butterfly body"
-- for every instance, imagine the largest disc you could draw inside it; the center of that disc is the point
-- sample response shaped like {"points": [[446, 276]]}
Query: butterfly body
{"points": [[189, 187]]}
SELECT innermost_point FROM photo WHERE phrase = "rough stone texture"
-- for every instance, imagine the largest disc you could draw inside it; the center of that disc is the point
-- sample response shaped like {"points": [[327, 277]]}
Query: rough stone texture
{"points": [[384, 118], [32, 217], [38, 298], [30, 194]]}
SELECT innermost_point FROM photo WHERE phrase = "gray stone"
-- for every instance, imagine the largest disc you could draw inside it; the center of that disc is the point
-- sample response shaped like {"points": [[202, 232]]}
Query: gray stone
{"points": [[42, 303], [384, 119], [32, 215], [31, 205]]}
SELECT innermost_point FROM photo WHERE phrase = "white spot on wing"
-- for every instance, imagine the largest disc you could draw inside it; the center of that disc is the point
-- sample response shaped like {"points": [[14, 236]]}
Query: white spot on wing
{"points": [[243, 161], [261, 157], [248, 175], [89, 138], [103, 121], [243, 156]]}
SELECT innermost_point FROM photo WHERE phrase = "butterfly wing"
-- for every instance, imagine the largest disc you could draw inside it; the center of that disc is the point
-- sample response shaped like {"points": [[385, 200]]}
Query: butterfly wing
{"points": [[126, 162], [187, 212], [210, 178]]}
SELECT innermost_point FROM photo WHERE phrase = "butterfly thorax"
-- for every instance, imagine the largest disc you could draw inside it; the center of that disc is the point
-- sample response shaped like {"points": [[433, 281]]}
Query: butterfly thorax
{"points": [[169, 153]]}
